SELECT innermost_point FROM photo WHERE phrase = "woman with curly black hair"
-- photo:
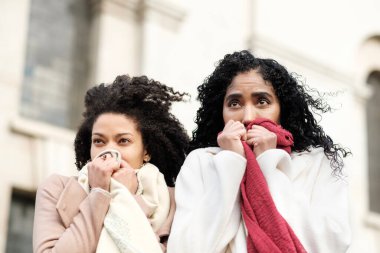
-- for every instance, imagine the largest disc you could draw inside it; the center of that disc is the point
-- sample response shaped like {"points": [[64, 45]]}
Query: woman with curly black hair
{"points": [[262, 176], [129, 149]]}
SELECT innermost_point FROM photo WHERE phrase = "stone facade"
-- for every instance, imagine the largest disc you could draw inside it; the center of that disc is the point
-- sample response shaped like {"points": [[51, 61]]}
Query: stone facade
{"points": [[334, 45]]}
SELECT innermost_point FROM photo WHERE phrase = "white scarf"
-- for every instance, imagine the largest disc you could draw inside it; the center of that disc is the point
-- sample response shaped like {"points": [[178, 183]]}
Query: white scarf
{"points": [[126, 227]]}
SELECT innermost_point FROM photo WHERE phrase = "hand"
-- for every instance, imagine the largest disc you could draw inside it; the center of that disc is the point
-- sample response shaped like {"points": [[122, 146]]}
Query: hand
{"points": [[231, 136], [126, 175], [261, 139], [100, 171]]}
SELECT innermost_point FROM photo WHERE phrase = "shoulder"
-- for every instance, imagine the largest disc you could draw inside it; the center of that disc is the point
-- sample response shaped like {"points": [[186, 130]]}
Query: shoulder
{"points": [[204, 151], [197, 159], [214, 157], [53, 185], [55, 180], [211, 152], [317, 152], [149, 168], [313, 155], [149, 175], [316, 160], [200, 154]]}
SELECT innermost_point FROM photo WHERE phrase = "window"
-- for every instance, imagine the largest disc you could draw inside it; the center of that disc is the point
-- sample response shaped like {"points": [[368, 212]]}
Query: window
{"points": [[20, 222], [373, 127], [56, 65]]}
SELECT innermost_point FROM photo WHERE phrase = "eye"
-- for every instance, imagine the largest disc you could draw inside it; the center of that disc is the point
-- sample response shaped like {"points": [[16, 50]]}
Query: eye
{"points": [[124, 141], [97, 141], [263, 101], [234, 103]]}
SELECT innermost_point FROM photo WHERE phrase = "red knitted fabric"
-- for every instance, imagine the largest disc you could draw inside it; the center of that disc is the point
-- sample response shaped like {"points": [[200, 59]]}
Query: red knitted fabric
{"points": [[268, 231]]}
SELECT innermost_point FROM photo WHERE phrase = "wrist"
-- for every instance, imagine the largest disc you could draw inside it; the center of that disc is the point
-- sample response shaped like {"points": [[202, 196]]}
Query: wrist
{"points": [[101, 190], [103, 187], [237, 148]]}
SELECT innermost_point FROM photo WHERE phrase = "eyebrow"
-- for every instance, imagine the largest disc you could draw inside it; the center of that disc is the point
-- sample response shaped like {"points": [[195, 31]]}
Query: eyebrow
{"points": [[118, 135], [253, 94]]}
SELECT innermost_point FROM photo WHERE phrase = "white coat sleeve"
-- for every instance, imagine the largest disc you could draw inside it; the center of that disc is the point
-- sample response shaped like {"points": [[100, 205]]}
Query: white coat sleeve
{"points": [[312, 200], [207, 197]]}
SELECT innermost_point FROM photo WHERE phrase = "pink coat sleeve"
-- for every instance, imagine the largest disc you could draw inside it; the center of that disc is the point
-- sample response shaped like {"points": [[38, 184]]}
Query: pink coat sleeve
{"points": [[66, 218]]}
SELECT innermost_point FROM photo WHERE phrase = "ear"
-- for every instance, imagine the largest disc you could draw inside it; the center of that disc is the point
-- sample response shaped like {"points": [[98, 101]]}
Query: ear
{"points": [[146, 157]]}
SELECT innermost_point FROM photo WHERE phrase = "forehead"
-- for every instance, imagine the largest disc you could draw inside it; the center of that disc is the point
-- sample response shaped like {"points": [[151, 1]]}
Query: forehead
{"points": [[115, 121], [249, 81]]}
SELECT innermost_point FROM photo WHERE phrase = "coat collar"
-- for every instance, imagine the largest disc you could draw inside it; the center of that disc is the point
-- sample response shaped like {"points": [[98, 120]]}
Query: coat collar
{"points": [[70, 200]]}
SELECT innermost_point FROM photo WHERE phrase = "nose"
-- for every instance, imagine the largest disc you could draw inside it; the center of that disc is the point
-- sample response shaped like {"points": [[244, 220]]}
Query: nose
{"points": [[111, 150], [111, 146], [249, 115]]}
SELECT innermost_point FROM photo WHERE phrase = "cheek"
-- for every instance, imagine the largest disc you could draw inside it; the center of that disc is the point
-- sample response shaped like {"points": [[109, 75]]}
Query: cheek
{"points": [[278, 113], [228, 115], [225, 117], [135, 163], [93, 152], [236, 115], [133, 157], [276, 119]]}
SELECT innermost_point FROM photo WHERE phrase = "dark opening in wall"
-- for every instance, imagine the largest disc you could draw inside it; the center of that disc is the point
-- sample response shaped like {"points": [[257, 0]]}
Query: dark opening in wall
{"points": [[20, 222], [373, 128]]}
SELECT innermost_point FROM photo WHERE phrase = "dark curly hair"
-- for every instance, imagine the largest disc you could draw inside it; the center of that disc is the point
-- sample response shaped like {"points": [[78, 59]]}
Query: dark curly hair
{"points": [[295, 103], [147, 102]]}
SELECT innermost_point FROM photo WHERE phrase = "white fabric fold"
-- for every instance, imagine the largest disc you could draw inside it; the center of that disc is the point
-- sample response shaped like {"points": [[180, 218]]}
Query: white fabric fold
{"points": [[126, 227]]}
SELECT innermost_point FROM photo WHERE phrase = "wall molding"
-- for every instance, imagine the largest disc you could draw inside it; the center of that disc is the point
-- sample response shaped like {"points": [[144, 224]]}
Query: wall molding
{"points": [[359, 90], [372, 220], [41, 130], [298, 59], [164, 8]]}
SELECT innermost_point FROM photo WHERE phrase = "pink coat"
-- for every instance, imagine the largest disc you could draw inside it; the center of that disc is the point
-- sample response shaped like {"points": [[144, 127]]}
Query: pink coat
{"points": [[66, 218]]}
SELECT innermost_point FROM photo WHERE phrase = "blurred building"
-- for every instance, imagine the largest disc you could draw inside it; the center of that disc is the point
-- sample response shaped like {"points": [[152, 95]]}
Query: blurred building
{"points": [[52, 51]]}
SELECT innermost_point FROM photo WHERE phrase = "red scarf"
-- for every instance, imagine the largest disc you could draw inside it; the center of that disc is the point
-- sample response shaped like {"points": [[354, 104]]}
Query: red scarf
{"points": [[268, 231]]}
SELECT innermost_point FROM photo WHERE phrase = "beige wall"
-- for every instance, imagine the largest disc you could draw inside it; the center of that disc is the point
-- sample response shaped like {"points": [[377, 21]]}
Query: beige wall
{"points": [[324, 41], [178, 43]]}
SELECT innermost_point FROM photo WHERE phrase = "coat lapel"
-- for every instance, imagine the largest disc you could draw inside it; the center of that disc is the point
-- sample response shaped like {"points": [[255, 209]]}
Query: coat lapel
{"points": [[69, 202]]}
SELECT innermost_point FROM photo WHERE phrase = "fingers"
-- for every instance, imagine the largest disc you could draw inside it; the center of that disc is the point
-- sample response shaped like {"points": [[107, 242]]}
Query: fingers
{"points": [[261, 139], [252, 141], [125, 164], [235, 129], [101, 169], [107, 161], [231, 136], [258, 132], [254, 136], [124, 171], [128, 177]]}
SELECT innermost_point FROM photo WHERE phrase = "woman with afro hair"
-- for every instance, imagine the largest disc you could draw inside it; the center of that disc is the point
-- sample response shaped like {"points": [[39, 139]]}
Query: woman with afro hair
{"points": [[262, 175], [129, 149]]}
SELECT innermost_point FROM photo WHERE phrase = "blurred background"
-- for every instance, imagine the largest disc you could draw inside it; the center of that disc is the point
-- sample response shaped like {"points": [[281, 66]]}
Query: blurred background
{"points": [[51, 51]]}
